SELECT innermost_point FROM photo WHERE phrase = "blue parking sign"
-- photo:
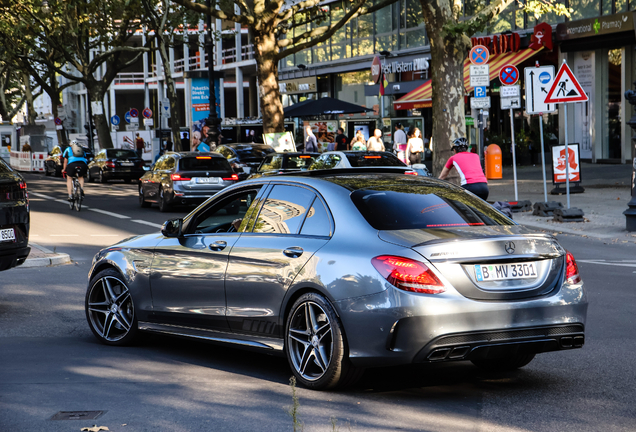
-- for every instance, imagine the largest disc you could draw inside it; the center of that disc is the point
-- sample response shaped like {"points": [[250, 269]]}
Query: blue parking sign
{"points": [[480, 92]]}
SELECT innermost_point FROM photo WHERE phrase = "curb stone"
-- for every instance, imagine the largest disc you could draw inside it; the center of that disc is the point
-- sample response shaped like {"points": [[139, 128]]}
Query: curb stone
{"points": [[50, 258]]}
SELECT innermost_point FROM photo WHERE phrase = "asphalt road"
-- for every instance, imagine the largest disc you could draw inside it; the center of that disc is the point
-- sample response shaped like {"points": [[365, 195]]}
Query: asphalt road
{"points": [[50, 362]]}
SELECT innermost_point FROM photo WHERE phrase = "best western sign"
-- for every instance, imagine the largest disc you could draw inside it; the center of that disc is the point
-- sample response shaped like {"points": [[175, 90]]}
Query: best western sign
{"points": [[420, 64], [299, 85]]}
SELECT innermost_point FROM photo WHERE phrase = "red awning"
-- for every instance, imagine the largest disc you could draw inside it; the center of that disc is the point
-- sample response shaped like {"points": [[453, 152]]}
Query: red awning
{"points": [[421, 97]]}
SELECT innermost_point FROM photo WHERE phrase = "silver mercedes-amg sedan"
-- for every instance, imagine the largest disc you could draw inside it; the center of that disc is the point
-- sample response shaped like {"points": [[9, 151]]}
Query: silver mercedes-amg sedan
{"points": [[344, 270]]}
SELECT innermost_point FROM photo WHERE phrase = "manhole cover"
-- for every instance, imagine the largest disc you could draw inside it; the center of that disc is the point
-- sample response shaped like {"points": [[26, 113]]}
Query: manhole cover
{"points": [[77, 415]]}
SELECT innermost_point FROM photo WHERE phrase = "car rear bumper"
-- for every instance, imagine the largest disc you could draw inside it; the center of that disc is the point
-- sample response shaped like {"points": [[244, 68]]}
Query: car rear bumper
{"points": [[404, 328], [12, 257], [123, 175]]}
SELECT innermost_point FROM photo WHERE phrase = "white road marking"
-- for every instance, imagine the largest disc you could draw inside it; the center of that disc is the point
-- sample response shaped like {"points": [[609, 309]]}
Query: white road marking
{"points": [[41, 195], [627, 263], [117, 215], [143, 222]]}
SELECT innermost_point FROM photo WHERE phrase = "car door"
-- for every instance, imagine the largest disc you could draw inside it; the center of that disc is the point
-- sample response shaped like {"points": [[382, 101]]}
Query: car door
{"points": [[187, 275], [149, 180], [267, 257]]}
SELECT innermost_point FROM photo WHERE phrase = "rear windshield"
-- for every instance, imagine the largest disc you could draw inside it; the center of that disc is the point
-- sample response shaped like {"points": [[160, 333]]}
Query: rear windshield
{"points": [[4, 168], [372, 159], [417, 206], [297, 162], [121, 154], [204, 163], [253, 152]]}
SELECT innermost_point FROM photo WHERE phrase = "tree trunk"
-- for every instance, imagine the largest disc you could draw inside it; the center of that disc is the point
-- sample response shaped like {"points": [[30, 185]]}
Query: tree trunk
{"points": [[55, 103], [447, 58], [31, 114], [172, 95], [96, 92], [267, 72]]}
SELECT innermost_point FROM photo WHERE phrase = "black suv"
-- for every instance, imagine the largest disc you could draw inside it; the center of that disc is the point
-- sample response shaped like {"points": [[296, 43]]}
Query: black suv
{"points": [[14, 218], [185, 178]]}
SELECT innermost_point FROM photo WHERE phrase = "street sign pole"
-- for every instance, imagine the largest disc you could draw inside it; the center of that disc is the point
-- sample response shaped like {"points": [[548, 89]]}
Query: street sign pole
{"points": [[514, 156], [567, 156], [480, 149], [545, 181]]}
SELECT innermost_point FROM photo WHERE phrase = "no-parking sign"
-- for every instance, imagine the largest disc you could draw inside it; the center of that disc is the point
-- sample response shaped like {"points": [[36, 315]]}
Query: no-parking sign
{"points": [[509, 75]]}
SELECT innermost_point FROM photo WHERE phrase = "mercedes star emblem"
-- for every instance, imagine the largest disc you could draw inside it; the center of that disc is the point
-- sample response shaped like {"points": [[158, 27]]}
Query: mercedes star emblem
{"points": [[510, 247]]}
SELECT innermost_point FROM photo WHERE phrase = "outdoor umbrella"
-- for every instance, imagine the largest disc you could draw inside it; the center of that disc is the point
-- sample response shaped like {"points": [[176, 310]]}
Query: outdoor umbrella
{"points": [[323, 106]]}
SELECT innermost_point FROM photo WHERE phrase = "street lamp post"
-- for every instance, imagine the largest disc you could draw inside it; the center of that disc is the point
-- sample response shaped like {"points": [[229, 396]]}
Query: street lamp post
{"points": [[213, 121]]}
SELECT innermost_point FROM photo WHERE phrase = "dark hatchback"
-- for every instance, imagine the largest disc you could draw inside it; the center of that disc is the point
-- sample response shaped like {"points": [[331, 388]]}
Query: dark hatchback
{"points": [[281, 163], [245, 158], [115, 164], [54, 162], [185, 178], [14, 218]]}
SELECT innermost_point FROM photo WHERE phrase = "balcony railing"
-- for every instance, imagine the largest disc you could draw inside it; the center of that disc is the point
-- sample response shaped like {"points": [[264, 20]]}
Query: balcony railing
{"points": [[195, 62]]}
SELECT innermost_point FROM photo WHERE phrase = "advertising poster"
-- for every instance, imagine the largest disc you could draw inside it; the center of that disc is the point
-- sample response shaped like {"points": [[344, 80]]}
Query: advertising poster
{"points": [[201, 108], [325, 132], [281, 141], [584, 112], [559, 162]]}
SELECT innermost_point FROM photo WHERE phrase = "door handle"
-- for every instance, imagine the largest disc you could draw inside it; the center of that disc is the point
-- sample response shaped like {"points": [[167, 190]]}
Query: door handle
{"points": [[293, 252], [217, 245]]}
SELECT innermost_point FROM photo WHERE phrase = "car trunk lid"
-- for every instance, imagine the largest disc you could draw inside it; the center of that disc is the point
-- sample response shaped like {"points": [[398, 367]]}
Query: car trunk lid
{"points": [[489, 262]]}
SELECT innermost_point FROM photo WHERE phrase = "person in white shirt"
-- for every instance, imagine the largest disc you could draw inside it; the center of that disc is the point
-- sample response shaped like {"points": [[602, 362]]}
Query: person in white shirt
{"points": [[375, 142], [399, 137], [415, 148]]}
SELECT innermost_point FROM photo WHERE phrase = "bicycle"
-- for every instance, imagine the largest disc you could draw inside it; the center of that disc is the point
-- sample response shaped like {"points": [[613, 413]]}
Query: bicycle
{"points": [[77, 194]]}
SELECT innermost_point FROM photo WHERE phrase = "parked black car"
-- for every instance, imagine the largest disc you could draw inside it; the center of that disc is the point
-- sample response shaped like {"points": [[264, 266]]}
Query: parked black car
{"points": [[185, 178], [280, 163], [54, 163], [14, 218], [245, 158], [111, 164]]}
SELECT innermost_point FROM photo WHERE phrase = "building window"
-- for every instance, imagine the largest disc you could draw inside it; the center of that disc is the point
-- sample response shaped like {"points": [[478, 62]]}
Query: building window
{"points": [[582, 9]]}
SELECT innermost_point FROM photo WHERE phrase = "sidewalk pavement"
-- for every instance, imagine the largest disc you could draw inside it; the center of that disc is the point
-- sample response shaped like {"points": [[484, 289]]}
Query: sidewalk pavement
{"points": [[43, 257], [607, 192]]}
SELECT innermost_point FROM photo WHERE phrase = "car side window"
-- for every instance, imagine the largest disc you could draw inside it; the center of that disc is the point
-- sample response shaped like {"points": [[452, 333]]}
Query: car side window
{"points": [[317, 222], [272, 163], [219, 217], [284, 210]]}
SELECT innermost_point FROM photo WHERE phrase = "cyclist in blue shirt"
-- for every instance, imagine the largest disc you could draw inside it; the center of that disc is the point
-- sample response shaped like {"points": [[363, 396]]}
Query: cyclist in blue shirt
{"points": [[74, 160]]}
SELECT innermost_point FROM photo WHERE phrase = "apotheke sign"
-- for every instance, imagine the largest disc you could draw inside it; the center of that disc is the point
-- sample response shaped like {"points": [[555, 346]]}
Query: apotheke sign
{"points": [[420, 64], [300, 85]]}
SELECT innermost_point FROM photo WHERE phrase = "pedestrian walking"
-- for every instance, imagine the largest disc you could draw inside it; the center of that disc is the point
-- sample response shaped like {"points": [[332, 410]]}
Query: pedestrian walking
{"points": [[341, 141], [469, 168], [415, 148], [311, 143], [140, 145], [399, 137], [375, 142]]}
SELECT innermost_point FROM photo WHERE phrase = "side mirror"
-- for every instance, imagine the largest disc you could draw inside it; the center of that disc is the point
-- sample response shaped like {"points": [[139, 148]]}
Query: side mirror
{"points": [[172, 228]]}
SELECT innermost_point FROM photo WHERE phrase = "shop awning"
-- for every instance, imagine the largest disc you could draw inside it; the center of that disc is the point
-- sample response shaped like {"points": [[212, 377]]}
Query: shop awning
{"points": [[421, 97]]}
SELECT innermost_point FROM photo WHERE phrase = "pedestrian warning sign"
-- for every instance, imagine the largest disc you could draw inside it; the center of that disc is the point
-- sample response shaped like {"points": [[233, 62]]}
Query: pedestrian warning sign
{"points": [[565, 88]]}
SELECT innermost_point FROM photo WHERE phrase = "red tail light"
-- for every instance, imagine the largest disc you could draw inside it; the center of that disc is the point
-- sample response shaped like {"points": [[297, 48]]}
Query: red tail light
{"points": [[372, 157], [233, 178], [572, 270], [408, 275], [110, 164], [177, 177], [410, 172], [23, 185], [204, 157]]}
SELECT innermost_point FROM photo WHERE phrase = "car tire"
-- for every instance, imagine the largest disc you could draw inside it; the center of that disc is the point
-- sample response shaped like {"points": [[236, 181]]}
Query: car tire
{"points": [[318, 356], [47, 172], [142, 201], [163, 205], [89, 177], [509, 363], [100, 177], [110, 310], [58, 171]]}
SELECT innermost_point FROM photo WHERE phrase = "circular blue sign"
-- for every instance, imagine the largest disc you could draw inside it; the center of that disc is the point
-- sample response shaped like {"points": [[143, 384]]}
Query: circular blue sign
{"points": [[127, 116], [115, 120], [545, 77]]}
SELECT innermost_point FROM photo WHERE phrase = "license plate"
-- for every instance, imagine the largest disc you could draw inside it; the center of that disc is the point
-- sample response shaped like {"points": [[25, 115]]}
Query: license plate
{"points": [[7, 235], [494, 272], [207, 180], [127, 164]]}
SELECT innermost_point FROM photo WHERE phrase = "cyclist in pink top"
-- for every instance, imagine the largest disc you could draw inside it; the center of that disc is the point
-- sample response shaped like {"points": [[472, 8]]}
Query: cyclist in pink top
{"points": [[469, 168]]}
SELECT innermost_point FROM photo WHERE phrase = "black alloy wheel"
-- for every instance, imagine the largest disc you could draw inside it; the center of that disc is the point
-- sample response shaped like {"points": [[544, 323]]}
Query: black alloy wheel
{"points": [[110, 310], [142, 201], [315, 345], [163, 205]]}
